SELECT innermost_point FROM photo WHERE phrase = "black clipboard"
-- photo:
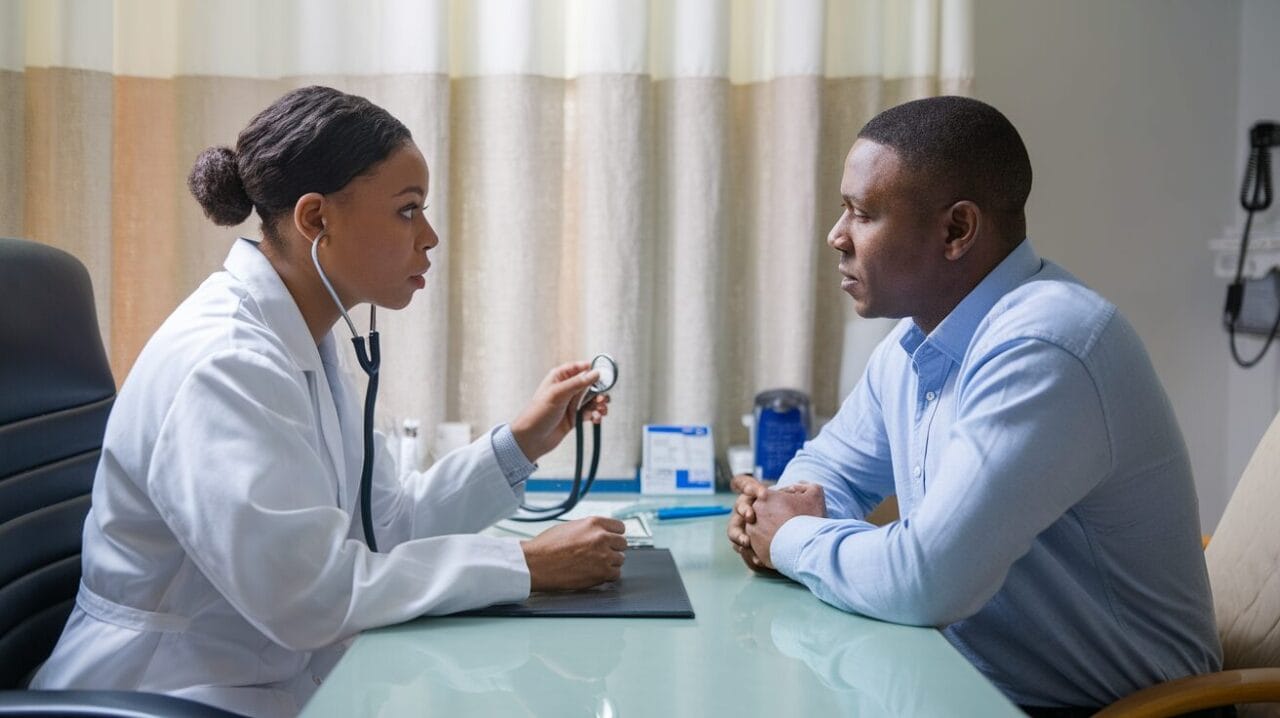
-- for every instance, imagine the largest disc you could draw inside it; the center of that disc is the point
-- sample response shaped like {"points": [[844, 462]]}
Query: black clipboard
{"points": [[650, 587]]}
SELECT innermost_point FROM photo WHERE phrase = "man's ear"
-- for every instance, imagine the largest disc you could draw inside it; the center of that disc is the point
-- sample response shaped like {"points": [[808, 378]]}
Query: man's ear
{"points": [[963, 220], [308, 215]]}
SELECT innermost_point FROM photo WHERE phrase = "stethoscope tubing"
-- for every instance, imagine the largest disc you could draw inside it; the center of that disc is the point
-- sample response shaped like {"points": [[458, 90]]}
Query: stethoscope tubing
{"points": [[578, 488], [370, 362]]}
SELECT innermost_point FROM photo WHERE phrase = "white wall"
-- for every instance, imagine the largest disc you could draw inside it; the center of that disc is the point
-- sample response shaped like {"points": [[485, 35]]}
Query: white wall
{"points": [[1253, 395], [1129, 111]]}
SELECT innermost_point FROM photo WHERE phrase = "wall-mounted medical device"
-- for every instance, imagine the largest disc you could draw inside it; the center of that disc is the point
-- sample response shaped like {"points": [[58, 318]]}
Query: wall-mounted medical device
{"points": [[1255, 196]]}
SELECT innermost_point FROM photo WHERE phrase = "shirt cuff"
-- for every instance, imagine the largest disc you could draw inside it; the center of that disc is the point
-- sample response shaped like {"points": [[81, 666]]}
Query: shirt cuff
{"points": [[515, 466], [784, 551]]}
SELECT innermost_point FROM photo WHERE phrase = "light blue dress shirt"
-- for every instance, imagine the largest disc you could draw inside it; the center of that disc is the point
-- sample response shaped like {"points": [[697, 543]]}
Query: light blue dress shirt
{"points": [[1048, 516]]}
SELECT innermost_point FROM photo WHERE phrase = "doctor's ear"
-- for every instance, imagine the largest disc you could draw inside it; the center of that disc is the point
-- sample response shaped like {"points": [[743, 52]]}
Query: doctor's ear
{"points": [[308, 215]]}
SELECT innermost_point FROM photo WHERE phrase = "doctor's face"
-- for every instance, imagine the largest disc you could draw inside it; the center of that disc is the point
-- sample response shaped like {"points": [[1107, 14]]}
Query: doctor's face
{"points": [[378, 234], [885, 235]]}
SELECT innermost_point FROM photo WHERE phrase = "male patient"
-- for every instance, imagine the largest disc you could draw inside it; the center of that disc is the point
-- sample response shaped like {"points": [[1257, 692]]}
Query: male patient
{"points": [[1049, 522]]}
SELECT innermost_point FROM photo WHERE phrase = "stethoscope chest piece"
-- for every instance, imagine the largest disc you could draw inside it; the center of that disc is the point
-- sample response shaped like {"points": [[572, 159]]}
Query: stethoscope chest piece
{"points": [[608, 369]]}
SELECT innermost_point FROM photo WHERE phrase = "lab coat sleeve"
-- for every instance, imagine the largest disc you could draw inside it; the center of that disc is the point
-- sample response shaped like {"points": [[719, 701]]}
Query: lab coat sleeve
{"points": [[463, 492], [237, 477]]}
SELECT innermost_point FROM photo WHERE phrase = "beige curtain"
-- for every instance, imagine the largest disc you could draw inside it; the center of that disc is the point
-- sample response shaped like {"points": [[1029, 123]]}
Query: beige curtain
{"points": [[649, 178]]}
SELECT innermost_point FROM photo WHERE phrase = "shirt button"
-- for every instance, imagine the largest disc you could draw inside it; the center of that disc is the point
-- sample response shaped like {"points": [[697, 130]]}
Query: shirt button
{"points": [[930, 396], [915, 471]]}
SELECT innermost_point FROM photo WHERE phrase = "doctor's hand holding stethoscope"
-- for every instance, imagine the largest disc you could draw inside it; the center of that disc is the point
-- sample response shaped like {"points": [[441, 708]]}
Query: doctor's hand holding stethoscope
{"points": [[371, 243], [578, 553]]}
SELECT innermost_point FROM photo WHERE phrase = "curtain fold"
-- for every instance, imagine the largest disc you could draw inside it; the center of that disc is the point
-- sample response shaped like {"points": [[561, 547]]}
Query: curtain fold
{"points": [[649, 178]]}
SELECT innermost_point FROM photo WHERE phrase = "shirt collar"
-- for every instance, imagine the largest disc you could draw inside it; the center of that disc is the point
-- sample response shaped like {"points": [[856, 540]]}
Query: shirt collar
{"points": [[279, 311], [953, 335]]}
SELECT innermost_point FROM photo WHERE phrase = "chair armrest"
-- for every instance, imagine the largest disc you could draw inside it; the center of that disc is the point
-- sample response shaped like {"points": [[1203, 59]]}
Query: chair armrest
{"points": [[1246, 685], [104, 704]]}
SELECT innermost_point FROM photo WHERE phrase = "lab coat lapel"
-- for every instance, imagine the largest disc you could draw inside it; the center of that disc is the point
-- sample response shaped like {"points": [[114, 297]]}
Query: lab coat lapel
{"points": [[247, 264], [349, 422], [331, 429]]}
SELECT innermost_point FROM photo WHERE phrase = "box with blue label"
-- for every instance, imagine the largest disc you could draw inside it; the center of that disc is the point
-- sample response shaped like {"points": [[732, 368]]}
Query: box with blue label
{"points": [[678, 460]]}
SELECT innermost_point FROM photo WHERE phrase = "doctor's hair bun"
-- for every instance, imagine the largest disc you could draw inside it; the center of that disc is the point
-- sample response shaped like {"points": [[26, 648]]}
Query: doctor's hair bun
{"points": [[215, 182]]}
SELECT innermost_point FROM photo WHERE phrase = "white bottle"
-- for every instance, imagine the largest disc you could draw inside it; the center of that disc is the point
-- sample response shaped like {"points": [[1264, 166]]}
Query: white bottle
{"points": [[410, 455]]}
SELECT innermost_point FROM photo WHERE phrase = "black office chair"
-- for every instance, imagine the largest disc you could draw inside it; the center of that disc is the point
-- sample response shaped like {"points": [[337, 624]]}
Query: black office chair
{"points": [[56, 390]]}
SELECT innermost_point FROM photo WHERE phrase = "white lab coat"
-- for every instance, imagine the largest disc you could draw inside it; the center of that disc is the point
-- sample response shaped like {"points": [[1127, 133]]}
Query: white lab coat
{"points": [[224, 559]]}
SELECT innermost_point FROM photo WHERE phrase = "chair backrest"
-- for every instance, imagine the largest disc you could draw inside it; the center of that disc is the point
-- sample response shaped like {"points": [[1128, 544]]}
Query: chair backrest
{"points": [[1244, 557], [56, 390]]}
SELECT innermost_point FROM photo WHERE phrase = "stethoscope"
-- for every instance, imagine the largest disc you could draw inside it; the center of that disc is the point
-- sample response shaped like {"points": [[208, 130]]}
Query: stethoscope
{"points": [[371, 360], [608, 369]]}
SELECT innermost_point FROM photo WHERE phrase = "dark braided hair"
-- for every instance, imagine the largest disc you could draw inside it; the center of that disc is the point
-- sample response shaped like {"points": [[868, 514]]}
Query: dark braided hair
{"points": [[313, 139]]}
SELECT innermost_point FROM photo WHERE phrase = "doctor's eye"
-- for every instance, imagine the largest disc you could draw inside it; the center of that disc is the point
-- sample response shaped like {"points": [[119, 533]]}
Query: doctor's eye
{"points": [[407, 211]]}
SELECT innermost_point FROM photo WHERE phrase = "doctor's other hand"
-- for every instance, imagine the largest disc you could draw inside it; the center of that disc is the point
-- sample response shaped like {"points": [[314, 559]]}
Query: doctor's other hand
{"points": [[577, 554], [749, 490], [553, 410]]}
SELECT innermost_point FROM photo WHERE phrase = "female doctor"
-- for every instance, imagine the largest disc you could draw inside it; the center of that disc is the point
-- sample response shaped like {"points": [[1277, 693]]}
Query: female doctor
{"points": [[224, 558]]}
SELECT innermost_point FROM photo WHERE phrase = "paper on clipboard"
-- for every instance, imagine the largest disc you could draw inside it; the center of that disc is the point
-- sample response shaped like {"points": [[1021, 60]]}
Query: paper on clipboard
{"points": [[636, 530]]}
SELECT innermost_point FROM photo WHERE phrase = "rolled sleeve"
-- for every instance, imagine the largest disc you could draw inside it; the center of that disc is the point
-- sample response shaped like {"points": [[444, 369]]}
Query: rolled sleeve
{"points": [[515, 466]]}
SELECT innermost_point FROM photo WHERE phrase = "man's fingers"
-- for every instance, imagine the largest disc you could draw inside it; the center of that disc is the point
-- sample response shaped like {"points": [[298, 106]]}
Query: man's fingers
{"points": [[749, 558], [748, 485], [735, 531]]}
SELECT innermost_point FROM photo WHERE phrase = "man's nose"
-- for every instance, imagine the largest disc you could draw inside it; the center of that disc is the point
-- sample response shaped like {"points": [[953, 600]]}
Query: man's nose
{"points": [[837, 238]]}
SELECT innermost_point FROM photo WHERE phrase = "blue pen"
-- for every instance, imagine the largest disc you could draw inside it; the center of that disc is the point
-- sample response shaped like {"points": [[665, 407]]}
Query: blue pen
{"points": [[688, 512]]}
